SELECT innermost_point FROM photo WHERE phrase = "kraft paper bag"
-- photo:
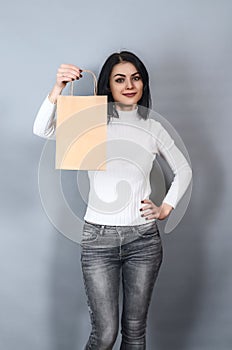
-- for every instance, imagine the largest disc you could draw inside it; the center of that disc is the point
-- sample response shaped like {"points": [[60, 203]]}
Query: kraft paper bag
{"points": [[81, 131]]}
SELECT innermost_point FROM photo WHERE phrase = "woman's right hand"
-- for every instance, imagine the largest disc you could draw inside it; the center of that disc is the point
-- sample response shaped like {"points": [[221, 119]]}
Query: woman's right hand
{"points": [[65, 74]]}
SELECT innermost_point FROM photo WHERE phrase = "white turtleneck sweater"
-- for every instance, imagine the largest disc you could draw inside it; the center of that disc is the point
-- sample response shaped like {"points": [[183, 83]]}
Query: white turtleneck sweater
{"points": [[132, 144]]}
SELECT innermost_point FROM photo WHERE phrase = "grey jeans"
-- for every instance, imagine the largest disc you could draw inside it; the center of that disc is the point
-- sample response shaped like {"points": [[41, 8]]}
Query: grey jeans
{"points": [[106, 252]]}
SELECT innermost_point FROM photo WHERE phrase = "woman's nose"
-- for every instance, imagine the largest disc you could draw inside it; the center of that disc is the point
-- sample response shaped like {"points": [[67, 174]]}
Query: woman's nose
{"points": [[129, 84]]}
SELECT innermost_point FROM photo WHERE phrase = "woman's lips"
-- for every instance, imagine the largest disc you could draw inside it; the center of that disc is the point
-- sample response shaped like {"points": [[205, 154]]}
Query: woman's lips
{"points": [[130, 94]]}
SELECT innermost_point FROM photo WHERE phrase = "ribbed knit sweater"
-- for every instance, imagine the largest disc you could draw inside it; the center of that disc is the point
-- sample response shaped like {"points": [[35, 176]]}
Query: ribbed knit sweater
{"points": [[132, 145]]}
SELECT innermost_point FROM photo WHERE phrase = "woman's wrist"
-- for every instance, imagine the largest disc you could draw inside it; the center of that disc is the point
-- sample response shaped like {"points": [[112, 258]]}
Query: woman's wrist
{"points": [[165, 210], [56, 91]]}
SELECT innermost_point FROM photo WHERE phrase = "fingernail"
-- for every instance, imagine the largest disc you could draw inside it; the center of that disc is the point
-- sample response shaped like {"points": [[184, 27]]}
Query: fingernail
{"points": [[140, 209], [142, 201], [142, 215], [80, 70]]}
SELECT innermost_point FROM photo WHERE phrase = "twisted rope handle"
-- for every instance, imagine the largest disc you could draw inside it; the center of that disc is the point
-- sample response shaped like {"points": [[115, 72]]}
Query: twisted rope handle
{"points": [[94, 79]]}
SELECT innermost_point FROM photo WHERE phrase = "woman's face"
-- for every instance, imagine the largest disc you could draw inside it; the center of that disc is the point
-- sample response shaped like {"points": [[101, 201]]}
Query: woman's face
{"points": [[126, 85]]}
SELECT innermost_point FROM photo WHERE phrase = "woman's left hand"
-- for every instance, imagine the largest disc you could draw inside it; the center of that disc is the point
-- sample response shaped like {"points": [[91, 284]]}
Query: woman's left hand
{"points": [[151, 211]]}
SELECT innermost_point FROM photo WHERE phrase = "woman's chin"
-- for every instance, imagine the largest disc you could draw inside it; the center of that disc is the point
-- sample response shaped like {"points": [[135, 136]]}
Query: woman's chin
{"points": [[126, 103]]}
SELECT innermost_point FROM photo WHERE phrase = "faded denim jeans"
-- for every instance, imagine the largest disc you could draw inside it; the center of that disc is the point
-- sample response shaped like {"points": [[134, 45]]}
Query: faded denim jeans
{"points": [[109, 254]]}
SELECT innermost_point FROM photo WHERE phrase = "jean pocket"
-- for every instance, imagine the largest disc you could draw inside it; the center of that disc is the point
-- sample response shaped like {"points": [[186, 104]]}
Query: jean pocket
{"points": [[148, 230], [89, 233]]}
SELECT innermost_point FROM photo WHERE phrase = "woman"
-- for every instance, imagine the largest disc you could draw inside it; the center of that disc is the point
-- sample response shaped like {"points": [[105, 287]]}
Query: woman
{"points": [[120, 237]]}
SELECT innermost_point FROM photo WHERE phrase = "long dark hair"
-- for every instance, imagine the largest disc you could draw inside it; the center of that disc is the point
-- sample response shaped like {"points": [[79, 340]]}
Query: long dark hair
{"points": [[103, 87]]}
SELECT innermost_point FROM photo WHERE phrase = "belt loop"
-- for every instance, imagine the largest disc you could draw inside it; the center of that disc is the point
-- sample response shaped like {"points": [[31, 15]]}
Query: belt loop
{"points": [[102, 229]]}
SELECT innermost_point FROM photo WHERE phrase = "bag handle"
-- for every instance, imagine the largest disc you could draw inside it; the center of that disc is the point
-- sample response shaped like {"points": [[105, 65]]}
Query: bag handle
{"points": [[94, 79]]}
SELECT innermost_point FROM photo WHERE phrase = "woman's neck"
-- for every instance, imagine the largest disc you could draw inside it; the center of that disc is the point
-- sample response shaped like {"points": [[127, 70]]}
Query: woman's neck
{"points": [[122, 107]]}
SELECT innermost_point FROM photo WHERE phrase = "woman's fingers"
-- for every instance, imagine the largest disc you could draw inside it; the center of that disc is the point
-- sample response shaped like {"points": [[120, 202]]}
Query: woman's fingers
{"points": [[67, 77], [67, 73], [70, 66], [148, 206], [150, 210], [146, 211], [70, 70]]}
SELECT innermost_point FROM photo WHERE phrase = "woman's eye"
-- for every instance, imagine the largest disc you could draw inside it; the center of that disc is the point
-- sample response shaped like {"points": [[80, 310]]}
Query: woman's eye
{"points": [[121, 80]]}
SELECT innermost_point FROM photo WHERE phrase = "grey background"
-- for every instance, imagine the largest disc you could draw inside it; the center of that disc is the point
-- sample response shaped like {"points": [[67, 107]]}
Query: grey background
{"points": [[186, 46]]}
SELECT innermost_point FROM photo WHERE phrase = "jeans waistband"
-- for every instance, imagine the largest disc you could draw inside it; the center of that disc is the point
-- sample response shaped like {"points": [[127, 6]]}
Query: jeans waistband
{"points": [[110, 226]]}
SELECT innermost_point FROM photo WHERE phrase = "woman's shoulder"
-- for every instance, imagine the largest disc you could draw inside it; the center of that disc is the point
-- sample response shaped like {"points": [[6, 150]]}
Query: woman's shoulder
{"points": [[154, 125]]}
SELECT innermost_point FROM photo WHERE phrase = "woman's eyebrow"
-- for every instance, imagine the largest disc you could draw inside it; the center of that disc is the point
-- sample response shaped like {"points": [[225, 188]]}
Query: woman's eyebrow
{"points": [[123, 75]]}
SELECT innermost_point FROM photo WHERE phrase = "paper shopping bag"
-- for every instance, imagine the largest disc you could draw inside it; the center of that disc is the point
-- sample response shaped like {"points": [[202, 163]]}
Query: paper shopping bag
{"points": [[81, 131]]}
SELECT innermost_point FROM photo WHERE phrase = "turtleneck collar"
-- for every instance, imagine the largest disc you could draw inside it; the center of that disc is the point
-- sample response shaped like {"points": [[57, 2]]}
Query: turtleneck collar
{"points": [[128, 115]]}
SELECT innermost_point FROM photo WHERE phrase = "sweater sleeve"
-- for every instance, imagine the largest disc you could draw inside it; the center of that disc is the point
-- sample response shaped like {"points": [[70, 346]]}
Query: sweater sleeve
{"points": [[179, 165], [45, 121]]}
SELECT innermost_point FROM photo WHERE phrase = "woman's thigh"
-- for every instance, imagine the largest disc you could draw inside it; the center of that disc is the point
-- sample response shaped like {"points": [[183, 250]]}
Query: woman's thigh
{"points": [[101, 275], [141, 263]]}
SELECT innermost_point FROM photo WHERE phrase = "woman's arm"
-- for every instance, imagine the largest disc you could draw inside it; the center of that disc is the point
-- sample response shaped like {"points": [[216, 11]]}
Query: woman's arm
{"points": [[164, 144], [178, 164], [45, 121]]}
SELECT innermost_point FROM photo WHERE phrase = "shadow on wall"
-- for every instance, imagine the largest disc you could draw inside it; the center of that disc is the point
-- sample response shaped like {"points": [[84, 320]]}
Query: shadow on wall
{"points": [[179, 292]]}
